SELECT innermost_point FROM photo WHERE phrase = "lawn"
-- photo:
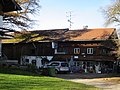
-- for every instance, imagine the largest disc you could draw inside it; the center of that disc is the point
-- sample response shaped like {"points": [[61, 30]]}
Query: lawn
{"points": [[21, 82]]}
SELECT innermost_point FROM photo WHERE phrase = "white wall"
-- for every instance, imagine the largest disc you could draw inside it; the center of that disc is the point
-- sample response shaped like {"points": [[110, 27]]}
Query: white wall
{"points": [[1, 21], [1, 25], [37, 58]]}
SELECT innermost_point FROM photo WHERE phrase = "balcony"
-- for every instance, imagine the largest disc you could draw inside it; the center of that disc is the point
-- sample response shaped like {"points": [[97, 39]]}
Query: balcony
{"points": [[59, 52]]}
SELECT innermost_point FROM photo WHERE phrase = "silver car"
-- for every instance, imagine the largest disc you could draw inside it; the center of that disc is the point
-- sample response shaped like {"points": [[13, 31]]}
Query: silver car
{"points": [[59, 66]]}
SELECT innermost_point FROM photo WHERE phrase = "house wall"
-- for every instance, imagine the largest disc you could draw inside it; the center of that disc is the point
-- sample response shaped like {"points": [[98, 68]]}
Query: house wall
{"points": [[15, 51], [1, 25], [35, 60], [100, 52]]}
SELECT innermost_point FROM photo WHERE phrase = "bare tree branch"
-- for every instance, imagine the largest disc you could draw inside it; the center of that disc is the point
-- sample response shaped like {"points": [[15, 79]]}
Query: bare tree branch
{"points": [[112, 13], [22, 19]]}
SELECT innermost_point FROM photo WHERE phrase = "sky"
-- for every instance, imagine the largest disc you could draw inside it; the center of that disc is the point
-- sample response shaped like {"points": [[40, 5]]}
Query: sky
{"points": [[54, 14]]}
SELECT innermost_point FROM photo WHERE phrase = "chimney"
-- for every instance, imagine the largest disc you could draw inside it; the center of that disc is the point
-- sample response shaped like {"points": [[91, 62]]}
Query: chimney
{"points": [[85, 27]]}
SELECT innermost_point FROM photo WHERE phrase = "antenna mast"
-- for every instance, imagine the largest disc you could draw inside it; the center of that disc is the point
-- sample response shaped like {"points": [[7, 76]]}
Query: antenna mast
{"points": [[69, 18]]}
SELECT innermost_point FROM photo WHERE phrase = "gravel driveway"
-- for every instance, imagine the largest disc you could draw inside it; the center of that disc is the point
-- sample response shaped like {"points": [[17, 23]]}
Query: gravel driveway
{"points": [[103, 81]]}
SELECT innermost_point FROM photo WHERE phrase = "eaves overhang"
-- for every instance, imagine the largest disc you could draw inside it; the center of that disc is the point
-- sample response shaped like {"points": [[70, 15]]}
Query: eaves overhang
{"points": [[9, 5]]}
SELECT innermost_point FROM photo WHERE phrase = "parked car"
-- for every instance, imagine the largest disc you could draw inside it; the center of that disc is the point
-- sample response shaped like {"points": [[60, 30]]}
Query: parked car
{"points": [[59, 66]]}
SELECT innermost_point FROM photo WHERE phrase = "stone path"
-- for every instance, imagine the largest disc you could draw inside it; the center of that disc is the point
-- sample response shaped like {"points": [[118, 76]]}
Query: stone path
{"points": [[103, 81]]}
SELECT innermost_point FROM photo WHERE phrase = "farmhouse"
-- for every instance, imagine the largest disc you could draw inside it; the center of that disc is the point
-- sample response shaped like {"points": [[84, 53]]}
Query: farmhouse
{"points": [[82, 49]]}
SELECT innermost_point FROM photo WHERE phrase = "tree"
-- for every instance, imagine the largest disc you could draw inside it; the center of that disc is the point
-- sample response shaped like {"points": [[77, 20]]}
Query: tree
{"points": [[22, 19], [112, 16], [112, 13]]}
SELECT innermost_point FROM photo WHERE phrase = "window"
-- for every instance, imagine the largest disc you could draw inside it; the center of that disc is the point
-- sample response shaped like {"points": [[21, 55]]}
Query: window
{"points": [[54, 64], [27, 60], [64, 65], [33, 62], [89, 50], [76, 50], [54, 45], [104, 52]]}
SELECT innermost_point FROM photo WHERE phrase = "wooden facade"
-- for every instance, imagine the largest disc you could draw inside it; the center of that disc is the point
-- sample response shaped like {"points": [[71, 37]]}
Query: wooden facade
{"points": [[15, 51], [86, 50], [82, 50]]}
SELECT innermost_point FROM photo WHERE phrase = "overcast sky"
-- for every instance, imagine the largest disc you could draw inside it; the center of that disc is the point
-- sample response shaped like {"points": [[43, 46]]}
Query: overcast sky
{"points": [[83, 12]]}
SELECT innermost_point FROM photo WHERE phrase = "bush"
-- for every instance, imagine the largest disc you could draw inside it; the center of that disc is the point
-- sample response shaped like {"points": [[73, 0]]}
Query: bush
{"points": [[18, 70]]}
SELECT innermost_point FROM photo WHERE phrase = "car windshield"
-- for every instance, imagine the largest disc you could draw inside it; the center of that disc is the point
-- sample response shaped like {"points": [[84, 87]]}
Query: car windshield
{"points": [[64, 64], [54, 64]]}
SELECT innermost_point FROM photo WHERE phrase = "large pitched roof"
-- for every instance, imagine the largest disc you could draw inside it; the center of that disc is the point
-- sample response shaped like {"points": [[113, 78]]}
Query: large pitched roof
{"points": [[68, 35], [81, 34], [94, 34]]}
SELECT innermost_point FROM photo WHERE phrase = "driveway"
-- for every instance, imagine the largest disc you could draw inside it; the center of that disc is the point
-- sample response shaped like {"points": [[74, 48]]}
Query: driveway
{"points": [[103, 81]]}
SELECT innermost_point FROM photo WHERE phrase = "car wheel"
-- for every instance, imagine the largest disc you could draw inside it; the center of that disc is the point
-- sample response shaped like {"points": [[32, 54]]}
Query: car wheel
{"points": [[56, 71]]}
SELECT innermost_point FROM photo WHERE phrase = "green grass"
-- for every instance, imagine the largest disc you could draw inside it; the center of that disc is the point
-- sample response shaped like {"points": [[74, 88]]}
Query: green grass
{"points": [[21, 82], [12, 78]]}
